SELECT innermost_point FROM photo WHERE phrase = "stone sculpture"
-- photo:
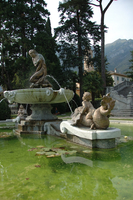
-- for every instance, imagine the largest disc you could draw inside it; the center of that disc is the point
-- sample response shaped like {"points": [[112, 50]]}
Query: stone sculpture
{"points": [[83, 114], [38, 79], [87, 115], [22, 112]]}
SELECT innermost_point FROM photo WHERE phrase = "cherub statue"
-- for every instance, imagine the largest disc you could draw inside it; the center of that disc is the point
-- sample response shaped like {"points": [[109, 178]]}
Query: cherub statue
{"points": [[87, 115], [38, 79], [83, 115]]}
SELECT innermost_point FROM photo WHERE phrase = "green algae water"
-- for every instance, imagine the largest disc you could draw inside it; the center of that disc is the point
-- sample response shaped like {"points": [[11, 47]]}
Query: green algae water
{"points": [[98, 174]]}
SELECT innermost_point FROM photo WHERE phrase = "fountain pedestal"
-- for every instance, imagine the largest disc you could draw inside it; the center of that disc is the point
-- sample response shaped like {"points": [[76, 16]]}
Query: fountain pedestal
{"points": [[41, 112]]}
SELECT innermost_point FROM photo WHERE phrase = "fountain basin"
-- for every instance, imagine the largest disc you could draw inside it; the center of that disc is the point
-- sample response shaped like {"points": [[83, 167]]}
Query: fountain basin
{"points": [[40, 100], [39, 96]]}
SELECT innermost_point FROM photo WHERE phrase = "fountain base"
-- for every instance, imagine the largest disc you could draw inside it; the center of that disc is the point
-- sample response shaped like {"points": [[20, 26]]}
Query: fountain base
{"points": [[34, 126], [104, 139], [41, 112]]}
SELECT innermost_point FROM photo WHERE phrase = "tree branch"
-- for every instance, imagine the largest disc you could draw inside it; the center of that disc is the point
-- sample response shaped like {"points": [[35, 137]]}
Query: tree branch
{"points": [[93, 4], [108, 6]]}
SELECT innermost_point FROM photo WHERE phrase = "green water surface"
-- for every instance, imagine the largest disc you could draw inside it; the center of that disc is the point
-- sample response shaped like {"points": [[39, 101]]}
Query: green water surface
{"points": [[97, 174]]}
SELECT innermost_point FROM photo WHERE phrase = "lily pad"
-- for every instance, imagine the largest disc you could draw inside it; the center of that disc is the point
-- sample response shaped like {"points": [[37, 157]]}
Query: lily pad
{"points": [[49, 153], [71, 152], [46, 149], [40, 153], [57, 149], [86, 151], [40, 146], [61, 151]]}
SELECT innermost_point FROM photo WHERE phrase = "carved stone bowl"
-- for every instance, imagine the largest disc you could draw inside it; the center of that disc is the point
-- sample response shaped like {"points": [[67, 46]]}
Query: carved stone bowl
{"points": [[39, 96]]}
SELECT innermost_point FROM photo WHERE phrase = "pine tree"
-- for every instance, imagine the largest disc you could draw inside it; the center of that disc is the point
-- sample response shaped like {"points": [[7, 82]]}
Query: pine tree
{"points": [[95, 83], [21, 21], [75, 33], [46, 44]]}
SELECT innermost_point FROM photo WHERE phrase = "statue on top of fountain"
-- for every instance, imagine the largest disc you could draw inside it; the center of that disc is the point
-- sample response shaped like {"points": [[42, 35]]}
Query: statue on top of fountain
{"points": [[38, 79], [87, 115]]}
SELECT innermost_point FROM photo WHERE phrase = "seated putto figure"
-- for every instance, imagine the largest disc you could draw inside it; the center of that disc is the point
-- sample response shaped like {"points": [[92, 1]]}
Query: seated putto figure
{"points": [[87, 115], [38, 79], [22, 112], [83, 115]]}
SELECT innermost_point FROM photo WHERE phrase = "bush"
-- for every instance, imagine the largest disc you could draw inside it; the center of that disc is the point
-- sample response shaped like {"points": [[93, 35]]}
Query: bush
{"points": [[5, 112], [61, 107]]}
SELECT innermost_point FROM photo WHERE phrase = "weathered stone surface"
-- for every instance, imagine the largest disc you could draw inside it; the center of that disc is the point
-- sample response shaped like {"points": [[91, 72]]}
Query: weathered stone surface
{"points": [[87, 115], [91, 138], [39, 95], [33, 126], [41, 112]]}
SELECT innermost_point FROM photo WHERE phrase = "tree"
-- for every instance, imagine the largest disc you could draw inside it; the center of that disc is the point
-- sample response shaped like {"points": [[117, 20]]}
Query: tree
{"points": [[130, 73], [21, 21], [5, 112], [92, 82], [102, 27], [46, 44], [75, 33], [97, 66]]}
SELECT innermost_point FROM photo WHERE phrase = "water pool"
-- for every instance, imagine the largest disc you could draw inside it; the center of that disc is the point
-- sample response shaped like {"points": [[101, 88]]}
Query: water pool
{"points": [[103, 174]]}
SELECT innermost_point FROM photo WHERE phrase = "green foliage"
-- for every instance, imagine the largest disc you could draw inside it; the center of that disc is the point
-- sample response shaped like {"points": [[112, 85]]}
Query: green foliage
{"points": [[97, 66], [5, 112], [75, 102], [64, 107], [92, 82], [23, 27], [109, 79], [74, 34], [61, 107]]}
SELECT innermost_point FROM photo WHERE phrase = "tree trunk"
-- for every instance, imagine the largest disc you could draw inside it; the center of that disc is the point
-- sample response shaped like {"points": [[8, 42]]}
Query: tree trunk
{"points": [[80, 60], [102, 53]]}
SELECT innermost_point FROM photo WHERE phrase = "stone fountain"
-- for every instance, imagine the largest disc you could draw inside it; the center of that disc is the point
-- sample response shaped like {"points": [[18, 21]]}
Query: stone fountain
{"points": [[40, 96], [88, 126]]}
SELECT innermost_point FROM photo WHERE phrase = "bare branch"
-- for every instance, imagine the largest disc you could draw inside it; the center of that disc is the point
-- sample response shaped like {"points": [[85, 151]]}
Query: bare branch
{"points": [[93, 4], [108, 6]]}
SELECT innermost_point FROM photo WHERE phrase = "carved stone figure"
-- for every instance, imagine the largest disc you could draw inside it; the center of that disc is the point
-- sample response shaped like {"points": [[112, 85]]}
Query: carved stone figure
{"points": [[38, 79], [87, 115], [83, 115], [22, 112], [102, 114]]}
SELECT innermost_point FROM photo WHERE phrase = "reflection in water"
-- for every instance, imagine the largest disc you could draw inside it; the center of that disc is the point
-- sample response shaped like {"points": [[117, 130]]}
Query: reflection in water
{"points": [[77, 159]]}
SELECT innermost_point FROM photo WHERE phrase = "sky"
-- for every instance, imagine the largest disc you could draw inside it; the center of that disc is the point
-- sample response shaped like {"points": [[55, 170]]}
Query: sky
{"points": [[118, 18]]}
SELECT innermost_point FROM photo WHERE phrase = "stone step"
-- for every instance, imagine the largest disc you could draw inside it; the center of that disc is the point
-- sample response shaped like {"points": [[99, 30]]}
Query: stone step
{"points": [[124, 112]]}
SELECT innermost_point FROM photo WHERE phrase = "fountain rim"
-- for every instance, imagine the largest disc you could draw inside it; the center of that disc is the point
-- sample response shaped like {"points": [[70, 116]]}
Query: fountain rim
{"points": [[47, 93]]}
